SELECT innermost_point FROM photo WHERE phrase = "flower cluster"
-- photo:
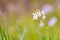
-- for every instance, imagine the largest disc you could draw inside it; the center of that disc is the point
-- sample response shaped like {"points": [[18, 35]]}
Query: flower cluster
{"points": [[44, 10], [37, 14]]}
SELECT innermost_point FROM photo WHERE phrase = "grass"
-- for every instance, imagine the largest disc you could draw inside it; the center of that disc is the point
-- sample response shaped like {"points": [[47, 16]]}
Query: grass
{"points": [[24, 28]]}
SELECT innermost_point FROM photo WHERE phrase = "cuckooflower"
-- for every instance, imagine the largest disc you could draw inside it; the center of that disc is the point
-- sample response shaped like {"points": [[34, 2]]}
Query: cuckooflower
{"points": [[41, 23], [35, 16], [43, 17], [38, 13]]}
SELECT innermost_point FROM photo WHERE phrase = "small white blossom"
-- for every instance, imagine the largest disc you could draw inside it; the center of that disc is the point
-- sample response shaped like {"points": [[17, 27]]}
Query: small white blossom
{"points": [[43, 12], [35, 16], [43, 17], [41, 23]]}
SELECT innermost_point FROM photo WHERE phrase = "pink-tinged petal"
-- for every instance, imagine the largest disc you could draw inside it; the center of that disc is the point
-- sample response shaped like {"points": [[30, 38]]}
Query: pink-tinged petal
{"points": [[47, 8], [52, 21]]}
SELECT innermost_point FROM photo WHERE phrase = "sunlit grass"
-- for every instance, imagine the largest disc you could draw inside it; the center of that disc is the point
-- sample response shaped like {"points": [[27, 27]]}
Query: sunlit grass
{"points": [[15, 28]]}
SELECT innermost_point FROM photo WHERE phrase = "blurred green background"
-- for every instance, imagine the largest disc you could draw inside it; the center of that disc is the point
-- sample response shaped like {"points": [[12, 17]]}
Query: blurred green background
{"points": [[18, 23]]}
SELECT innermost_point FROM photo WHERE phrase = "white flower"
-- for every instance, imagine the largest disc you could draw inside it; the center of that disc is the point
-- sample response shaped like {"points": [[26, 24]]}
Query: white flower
{"points": [[43, 12], [38, 13], [41, 23], [43, 17], [35, 16], [52, 21]]}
